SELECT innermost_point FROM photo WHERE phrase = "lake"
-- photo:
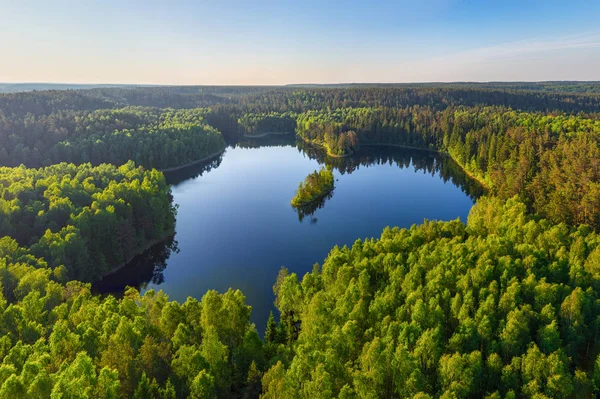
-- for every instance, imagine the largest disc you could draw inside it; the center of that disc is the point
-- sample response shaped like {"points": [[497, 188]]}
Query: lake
{"points": [[236, 227]]}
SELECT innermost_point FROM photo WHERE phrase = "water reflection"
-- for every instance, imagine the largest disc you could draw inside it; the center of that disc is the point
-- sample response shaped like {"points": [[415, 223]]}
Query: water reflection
{"points": [[272, 140], [213, 212], [309, 210], [144, 269], [425, 161], [193, 171], [430, 162]]}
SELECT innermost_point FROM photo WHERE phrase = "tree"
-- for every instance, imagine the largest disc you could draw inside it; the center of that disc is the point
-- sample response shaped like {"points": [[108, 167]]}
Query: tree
{"points": [[271, 329]]}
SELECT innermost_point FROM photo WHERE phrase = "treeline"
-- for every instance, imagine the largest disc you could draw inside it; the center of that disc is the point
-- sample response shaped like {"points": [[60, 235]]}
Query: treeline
{"points": [[545, 96], [52, 101], [329, 130], [272, 122], [83, 221], [435, 96], [155, 138], [506, 306]]}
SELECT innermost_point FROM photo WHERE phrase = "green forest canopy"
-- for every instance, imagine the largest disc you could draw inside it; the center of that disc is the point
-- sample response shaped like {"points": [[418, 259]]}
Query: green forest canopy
{"points": [[504, 306], [153, 137]]}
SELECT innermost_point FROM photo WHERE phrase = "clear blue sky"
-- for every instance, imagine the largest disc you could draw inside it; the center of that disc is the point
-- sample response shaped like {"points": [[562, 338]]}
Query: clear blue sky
{"points": [[303, 41]]}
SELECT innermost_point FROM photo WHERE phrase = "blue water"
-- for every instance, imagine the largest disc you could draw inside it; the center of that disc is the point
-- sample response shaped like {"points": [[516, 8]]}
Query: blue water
{"points": [[236, 227]]}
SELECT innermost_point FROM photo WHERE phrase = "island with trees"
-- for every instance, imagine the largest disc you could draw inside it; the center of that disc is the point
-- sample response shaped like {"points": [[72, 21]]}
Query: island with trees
{"points": [[506, 305], [316, 186]]}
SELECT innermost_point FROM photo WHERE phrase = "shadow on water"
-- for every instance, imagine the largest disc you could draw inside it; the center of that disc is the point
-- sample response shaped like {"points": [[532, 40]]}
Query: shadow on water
{"points": [[193, 171], [144, 269]]}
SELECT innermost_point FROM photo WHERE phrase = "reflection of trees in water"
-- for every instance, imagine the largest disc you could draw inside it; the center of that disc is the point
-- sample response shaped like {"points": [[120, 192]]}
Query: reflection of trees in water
{"points": [[149, 266], [309, 210], [429, 162], [191, 172], [144, 269], [271, 140]]}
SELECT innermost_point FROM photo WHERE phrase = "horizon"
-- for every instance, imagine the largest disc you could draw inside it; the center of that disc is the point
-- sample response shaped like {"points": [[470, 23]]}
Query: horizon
{"points": [[231, 43], [142, 84]]}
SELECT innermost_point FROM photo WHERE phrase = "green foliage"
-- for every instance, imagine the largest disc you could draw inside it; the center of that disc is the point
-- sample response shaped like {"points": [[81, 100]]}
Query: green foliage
{"points": [[506, 306], [154, 138], [87, 219], [315, 186], [272, 122], [497, 306], [133, 353]]}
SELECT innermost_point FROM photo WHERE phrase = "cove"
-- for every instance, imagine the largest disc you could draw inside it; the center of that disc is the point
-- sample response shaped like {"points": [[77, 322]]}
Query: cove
{"points": [[236, 227]]}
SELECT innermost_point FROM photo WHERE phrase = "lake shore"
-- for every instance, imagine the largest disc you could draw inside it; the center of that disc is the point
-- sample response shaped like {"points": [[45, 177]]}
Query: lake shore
{"points": [[140, 251], [324, 147], [205, 159], [483, 183]]}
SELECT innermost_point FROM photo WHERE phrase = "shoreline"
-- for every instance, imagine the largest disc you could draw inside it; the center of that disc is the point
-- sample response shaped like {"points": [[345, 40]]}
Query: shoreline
{"points": [[140, 251], [470, 174], [206, 158], [467, 172], [261, 135], [324, 147], [151, 243]]}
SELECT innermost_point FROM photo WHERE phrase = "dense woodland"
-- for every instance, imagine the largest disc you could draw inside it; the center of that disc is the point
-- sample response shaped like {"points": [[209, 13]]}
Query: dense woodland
{"points": [[153, 137], [83, 220], [505, 306]]}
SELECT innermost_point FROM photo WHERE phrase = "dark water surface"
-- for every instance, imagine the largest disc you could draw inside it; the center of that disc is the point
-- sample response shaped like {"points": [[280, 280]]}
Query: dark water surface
{"points": [[236, 227]]}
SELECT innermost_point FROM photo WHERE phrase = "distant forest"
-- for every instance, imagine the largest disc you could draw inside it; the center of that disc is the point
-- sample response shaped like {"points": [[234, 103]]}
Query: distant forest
{"points": [[506, 305]]}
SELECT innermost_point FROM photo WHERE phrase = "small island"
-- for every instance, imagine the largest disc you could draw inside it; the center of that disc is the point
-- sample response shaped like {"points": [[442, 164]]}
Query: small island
{"points": [[316, 186]]}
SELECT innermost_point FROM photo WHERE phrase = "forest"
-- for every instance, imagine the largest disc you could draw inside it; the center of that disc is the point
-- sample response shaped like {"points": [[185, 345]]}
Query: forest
{"points": [[84, 220], [506, 305], [152, 137]]}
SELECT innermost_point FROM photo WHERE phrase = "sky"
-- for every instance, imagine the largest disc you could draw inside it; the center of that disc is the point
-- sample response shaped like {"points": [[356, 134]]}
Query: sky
{"points": [[234, 42]]}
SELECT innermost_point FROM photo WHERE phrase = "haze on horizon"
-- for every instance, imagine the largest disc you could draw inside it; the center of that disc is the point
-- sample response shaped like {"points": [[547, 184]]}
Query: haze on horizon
{"points": [[268, 42]]}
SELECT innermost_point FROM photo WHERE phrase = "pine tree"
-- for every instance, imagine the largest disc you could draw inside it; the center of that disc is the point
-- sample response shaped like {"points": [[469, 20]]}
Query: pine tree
{"points": [[271, 330]]}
